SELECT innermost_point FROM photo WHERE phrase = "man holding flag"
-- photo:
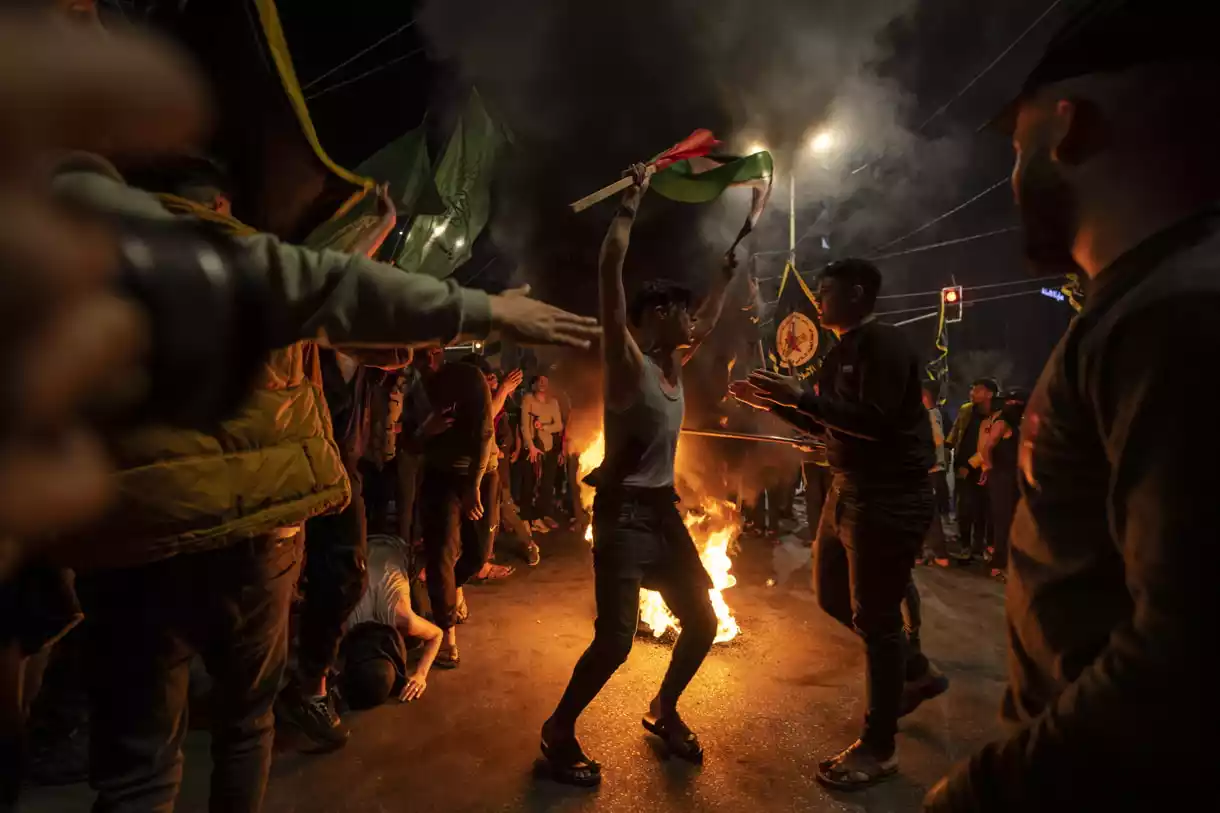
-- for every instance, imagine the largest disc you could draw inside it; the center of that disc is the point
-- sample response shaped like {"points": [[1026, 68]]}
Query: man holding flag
{"points": [[639, 539]]}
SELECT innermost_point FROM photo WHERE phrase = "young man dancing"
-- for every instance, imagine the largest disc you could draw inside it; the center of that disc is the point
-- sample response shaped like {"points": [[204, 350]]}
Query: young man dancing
{"points": [[639, 539], [879, 446]]}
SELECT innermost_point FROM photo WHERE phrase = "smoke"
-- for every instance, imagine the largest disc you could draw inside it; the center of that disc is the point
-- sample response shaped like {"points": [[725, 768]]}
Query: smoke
{"points": [[588, 88]]}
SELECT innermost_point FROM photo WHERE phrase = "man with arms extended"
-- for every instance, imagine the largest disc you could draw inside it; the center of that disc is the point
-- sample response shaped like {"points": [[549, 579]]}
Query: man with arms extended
{"points": [[1111, 598], [879, 446], [638, 535]]}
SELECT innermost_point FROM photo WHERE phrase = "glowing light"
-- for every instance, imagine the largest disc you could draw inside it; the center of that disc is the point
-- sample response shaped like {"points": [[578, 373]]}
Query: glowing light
{"points": [[823, 141], [951, 296], [757, 146], [714, 526]]}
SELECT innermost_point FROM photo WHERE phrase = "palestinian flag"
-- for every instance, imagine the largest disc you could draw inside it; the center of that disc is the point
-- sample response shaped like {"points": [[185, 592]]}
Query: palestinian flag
{"points": [[689, 172]]}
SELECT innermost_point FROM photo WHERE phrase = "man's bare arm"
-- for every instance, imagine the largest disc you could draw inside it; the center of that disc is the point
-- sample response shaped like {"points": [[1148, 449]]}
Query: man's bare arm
{"points": [[709, 312], [620, 354]]}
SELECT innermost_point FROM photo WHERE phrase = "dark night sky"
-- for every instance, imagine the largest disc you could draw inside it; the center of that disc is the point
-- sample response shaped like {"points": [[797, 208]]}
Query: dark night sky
{"points": [[587, 88]]}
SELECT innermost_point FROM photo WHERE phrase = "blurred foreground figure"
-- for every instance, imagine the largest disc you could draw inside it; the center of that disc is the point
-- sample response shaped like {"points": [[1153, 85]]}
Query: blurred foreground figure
{"points": [[68, 342], [1111, 591]]}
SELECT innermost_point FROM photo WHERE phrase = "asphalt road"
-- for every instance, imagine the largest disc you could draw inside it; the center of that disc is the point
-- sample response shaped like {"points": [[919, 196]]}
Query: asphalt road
{"points": [[768, 706]]}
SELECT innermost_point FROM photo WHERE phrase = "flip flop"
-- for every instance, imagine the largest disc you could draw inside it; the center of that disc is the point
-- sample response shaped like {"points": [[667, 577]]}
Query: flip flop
{"points": [[569, 765], [495, 573], [448, 659], [856, 768], [679, 739]]}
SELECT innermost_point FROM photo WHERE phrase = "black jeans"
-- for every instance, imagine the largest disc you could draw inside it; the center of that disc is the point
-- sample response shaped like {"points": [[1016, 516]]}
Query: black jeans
{"points": [[935, 540], [863, 557], [973, 515], [455, 548], [639, 540], [1002, 495], [818, 481], [335, 576], [143, 626]]}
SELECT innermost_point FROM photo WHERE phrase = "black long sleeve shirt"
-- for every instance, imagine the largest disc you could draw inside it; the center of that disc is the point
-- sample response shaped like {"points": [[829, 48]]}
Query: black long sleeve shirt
{"points": [[870, 403], [1111, 594]]}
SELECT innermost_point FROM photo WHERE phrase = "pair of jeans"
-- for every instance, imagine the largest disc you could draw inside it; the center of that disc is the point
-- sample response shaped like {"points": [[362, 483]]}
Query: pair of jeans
{"points": [[639, 540], [335, 578], [538, 501], [455, 548], [510, 517], [1003, 494], [818, 481], [143, 626], [973, 514], [865, 550]]}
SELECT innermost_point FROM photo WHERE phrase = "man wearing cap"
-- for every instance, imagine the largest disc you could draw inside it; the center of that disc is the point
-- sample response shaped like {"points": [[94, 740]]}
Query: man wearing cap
{"points": [[971, 426], [1113, 543]]}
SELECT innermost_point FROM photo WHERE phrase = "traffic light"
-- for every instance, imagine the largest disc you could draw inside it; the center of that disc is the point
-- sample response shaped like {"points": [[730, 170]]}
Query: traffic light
{"points": [[951, 303]]}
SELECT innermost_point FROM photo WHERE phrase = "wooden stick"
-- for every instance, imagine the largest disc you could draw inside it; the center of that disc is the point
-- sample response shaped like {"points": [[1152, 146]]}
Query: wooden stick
{"points": [[602, 194]]}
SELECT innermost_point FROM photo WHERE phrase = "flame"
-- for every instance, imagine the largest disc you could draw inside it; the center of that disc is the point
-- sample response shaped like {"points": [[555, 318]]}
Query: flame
{"points": [[714, 526]]}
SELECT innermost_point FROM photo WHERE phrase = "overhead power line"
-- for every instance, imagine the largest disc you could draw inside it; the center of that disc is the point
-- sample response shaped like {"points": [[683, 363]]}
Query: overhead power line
{"points": [[965, 303], [940, 110], [949, 213], [944, 243], [359, 54], [369, 72]]}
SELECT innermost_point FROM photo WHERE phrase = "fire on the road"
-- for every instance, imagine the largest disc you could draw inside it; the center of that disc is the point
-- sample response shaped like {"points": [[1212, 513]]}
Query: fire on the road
{"points": [[714, 525]]}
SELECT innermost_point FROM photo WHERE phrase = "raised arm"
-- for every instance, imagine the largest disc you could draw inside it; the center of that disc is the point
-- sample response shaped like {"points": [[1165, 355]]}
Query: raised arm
{"points": [[621, 356], [713, 305]]}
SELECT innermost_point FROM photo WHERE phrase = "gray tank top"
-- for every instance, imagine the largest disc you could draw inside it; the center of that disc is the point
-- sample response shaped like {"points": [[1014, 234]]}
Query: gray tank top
{"points": [[642, 439]]}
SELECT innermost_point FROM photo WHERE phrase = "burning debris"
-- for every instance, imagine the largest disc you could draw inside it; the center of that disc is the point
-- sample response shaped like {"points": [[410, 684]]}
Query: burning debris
{"points": [[714, 525]]}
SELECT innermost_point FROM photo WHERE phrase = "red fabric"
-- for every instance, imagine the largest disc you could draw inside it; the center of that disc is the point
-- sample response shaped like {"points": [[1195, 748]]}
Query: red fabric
{"points": [[695, 145]]}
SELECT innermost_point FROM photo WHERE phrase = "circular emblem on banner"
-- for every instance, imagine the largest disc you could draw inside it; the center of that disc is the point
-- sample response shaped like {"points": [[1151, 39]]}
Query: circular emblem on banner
{"points": [[796, 340]]}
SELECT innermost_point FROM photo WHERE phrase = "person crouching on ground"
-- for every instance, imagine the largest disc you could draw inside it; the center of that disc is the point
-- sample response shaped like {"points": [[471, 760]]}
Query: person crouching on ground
{"points": [[373, 652]]}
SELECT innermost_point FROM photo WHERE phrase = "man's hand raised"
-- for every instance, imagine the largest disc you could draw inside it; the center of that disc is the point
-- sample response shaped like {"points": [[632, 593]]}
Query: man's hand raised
{"points": [[532, 322]]}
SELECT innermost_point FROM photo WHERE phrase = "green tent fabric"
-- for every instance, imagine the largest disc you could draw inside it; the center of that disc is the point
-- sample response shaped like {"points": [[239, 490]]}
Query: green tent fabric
{"points": [[438, 244]]}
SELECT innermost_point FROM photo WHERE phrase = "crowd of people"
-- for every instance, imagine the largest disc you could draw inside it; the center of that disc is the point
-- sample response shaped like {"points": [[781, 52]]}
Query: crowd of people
{"points": [[267, 551]]}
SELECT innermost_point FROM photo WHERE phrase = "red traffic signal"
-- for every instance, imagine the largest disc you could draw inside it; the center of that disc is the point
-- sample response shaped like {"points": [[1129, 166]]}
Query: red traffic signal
{"points": [[951, 303]]}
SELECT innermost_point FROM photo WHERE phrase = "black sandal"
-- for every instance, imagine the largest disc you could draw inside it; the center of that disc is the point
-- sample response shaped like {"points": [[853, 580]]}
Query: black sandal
{"points": [[569, 765], [856, 768], [679, 739]]}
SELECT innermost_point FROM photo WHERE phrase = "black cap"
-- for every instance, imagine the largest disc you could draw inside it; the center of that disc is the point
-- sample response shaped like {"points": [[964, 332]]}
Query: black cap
{"points": [[1108, 36], [989, 383]]}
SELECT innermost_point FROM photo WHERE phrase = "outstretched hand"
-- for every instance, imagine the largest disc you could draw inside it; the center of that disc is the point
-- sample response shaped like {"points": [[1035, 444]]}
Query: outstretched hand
{"points": [[529, 321], [746, 393], [774, 388], [512, 380]]}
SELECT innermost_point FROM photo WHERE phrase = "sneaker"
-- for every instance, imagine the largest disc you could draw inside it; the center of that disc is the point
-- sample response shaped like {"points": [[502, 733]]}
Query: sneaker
{"points": [[533, 555], [915, 692], [315, 717]]}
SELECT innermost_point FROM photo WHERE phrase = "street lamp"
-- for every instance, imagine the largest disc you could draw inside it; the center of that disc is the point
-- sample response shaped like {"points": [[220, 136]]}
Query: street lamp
{"points": [[823, 142]]}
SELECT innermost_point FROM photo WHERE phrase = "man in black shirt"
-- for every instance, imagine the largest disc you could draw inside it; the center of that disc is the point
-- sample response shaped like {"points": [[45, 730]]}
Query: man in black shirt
{"points": [[1111, 592], [869, 405]]}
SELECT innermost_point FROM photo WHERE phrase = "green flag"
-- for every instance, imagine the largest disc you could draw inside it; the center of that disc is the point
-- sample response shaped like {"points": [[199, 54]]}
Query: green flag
{"points": [[703, 178], [406, 166], [438, 244]]}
